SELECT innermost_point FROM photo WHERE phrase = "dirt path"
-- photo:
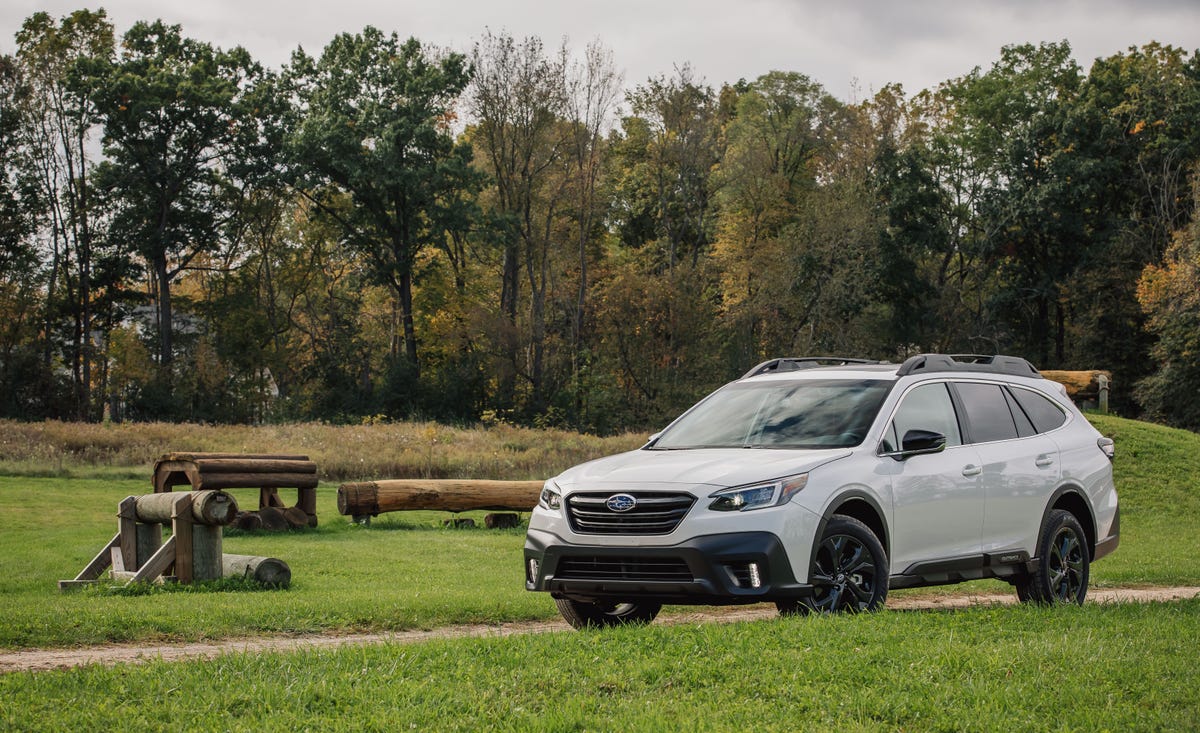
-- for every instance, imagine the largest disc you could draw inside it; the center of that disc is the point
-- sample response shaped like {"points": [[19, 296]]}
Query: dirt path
{"points": [[45, 659]]}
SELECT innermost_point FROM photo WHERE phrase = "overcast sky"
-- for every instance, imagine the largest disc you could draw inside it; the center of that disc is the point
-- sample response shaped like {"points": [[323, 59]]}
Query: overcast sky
{"points": [[852, 48]]}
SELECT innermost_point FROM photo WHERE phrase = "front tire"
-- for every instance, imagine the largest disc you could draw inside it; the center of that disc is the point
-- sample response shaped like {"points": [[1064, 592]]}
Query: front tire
{"points": [[585, 615], [849, 571], [1063, 566]]}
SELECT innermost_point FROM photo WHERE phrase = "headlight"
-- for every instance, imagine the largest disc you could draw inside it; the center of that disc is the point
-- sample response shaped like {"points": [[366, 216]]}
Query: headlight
{"points": [[757, 496], [550, 498]]}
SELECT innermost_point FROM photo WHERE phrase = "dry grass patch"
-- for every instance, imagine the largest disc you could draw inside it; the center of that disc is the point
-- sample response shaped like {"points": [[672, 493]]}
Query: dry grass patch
{"points": [[342, 452]]}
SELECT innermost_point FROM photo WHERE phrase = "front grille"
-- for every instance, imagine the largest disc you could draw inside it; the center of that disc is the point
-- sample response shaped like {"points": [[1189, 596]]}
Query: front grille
{"points": [[654, 513], [671, 569]]}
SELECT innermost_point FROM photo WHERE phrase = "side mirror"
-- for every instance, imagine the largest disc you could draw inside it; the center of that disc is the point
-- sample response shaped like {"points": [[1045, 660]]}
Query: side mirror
{"points": [[920, 442]]}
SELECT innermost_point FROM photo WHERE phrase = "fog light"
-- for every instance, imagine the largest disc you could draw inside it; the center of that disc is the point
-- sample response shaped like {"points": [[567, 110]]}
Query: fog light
{"points": [[533, 570], [755, 578]]}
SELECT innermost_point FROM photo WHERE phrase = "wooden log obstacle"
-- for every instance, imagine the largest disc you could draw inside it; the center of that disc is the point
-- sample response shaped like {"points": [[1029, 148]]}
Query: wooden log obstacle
{"points": [[193, 552], [1087, 388], [371, 498], [267, 473]]}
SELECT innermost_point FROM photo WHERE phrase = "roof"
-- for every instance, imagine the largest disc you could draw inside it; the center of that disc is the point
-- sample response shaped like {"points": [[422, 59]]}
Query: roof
{"points": [[920, 364]]}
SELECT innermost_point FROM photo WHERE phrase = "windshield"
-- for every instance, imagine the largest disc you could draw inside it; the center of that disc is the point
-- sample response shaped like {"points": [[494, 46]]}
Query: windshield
{"points": [[827, 413]]}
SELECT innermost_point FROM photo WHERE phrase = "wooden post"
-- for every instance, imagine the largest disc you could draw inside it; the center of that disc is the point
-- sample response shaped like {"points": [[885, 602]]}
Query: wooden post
{"points": [[1104, 383], [127, 528], [149, 538], [181, 532], [157, 564], [269, 496], [206, 552], [306, 500]]}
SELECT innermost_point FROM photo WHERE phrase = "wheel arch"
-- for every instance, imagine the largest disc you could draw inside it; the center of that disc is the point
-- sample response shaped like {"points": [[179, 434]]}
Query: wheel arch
{"points": [[861, 506], [1072, 499]]}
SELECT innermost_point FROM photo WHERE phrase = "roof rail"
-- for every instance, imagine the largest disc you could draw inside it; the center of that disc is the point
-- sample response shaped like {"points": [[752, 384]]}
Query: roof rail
{"points": [[996, 364], [791, 364]]}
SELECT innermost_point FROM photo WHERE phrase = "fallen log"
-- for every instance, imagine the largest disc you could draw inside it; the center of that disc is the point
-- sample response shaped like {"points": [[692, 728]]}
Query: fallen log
{"points": [[451, 495], [248, 521], [272, 519], [295, 517], [504, 520], [210, 508], [269, 571]]}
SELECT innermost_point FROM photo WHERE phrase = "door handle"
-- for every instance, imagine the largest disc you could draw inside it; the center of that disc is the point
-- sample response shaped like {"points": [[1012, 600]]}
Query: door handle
{"points": [[1043, 461], [972, 470]]}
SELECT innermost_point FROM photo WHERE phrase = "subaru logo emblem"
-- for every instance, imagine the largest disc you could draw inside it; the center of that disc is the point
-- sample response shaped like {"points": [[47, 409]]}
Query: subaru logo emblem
{"points": [[621, 502]]}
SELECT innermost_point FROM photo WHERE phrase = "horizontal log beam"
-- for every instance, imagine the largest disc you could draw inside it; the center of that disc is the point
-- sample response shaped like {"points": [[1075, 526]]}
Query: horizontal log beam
{"points": [[210, 508], [253, 465], [191, 456], [1084, 384], [257, 481], [451, 495]]}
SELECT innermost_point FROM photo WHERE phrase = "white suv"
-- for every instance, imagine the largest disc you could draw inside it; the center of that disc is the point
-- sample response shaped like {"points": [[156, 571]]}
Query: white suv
{"points": [[818, 483]]}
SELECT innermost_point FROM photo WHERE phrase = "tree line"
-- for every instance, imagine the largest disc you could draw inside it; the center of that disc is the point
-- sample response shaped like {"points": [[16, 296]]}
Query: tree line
{"points": [[389, 230]]}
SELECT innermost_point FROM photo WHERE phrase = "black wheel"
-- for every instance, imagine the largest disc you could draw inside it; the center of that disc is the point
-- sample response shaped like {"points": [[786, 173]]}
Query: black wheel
{"points": [[584, 615], [1063, 566], [849, 572]]}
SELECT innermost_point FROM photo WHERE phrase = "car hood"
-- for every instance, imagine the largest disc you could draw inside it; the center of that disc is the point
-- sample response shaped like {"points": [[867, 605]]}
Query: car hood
{"points": [[721, 467]]}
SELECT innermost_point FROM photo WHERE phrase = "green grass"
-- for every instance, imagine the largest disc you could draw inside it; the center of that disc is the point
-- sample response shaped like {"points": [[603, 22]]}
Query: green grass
{"points": [[1120, 667], [405, 571], [1157, 472]]}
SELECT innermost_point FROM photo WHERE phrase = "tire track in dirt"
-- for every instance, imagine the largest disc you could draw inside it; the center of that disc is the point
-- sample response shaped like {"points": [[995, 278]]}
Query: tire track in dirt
{"points": [[37, 660]]}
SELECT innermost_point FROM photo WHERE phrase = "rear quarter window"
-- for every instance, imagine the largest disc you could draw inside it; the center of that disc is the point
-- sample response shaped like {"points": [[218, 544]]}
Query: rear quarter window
{"points": [[1042, 411]]}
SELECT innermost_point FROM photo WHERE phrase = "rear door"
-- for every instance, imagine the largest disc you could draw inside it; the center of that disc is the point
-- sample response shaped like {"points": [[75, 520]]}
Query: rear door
{"points": [[1020, 466], [937, 500]]}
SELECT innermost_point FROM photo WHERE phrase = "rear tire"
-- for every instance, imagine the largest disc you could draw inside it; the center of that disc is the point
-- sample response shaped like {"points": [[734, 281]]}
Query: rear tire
{"points": [[849, 571], [1063, 566], [585, 615]]}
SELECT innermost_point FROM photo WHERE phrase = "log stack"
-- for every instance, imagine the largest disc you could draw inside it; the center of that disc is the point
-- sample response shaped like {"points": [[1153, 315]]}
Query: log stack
{"points": [[266, 472]]}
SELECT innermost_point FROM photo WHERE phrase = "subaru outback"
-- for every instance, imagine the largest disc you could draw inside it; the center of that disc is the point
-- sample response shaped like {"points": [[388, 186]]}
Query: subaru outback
{"points": [[819, 483]]}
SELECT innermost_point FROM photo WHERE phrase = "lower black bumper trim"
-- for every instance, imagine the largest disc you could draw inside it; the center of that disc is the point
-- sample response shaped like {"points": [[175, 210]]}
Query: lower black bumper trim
{"points": [[718, 563]]}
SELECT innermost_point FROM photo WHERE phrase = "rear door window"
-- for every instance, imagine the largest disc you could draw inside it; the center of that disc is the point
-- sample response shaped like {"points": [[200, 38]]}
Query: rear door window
{"points": [[1025, 428], [988, 416]]}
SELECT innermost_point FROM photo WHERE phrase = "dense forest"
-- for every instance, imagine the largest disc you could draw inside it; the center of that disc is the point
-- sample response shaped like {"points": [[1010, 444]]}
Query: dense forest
{"points": [[516, 233]]}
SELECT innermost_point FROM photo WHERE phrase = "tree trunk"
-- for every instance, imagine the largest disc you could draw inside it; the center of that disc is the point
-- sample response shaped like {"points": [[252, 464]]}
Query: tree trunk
{"points": [[506, 387], [406, 315], [165, 316]]}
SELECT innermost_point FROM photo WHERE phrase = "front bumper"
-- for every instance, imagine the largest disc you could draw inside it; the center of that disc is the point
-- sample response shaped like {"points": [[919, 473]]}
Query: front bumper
{"points": [[721, 569]]}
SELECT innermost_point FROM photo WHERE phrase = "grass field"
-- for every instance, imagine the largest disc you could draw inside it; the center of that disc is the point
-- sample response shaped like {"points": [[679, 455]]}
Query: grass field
{"points": [[407, 571], [1094, 668]]}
